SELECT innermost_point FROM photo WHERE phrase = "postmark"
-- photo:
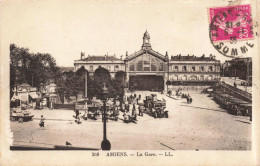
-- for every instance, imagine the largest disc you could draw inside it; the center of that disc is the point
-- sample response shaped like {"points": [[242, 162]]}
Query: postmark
{"points": [[231, 29]]}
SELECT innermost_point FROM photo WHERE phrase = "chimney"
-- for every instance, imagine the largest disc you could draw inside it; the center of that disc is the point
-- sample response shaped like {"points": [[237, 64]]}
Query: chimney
{"points": [[105, 57], [121, 57], [82, 55], [114, 55], [126, 54]]}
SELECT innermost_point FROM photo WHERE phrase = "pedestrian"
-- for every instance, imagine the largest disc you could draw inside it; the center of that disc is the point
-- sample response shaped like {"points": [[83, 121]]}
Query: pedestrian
{"points": [[140, 111], [134, 95], [133, 110], [235, 85], [78, 120], [85, 116], [77, 113], [42, 122], [126, 107], [139, 96]]}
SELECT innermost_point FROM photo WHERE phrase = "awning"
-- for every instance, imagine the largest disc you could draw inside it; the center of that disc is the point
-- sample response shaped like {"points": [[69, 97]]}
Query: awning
{"points": [[33, 95]]}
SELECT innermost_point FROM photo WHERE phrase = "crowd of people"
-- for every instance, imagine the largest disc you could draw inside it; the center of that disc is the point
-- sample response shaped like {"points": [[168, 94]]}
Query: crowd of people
{"points": [[129, 106], [182, 95]]}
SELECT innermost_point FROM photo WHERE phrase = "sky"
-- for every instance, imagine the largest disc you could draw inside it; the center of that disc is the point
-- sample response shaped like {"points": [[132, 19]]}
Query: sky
{"points": [[66, 28]]}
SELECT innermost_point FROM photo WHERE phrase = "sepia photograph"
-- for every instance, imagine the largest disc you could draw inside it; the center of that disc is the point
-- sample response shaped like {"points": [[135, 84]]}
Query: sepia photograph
{"points": [[140, 79]]}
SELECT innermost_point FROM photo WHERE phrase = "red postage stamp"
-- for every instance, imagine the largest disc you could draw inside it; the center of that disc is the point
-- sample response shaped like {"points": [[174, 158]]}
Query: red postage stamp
{"points": [[231, 23]]}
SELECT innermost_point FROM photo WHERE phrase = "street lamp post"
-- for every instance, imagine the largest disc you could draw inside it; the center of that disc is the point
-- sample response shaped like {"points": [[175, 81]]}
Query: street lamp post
{"points": [[105, 144], [16, 91], [18, 64]]}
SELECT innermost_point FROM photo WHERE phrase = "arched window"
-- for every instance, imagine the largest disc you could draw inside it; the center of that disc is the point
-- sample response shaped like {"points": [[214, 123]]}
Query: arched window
{"points": [[201, 68], [201, 77], [184, 68], [193, 78], [171, 77], [184, 78], [175, 77], [210, 68], [210, 78], [193, 68], [91, 68], [116, 67]]}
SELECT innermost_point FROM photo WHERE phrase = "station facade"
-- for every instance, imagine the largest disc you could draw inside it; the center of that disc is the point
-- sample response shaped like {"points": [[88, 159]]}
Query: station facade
{"points": [[147, 69]]}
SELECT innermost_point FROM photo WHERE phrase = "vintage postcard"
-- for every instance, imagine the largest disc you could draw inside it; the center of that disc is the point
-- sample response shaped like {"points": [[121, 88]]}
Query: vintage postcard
{"points": [[95, 82]]}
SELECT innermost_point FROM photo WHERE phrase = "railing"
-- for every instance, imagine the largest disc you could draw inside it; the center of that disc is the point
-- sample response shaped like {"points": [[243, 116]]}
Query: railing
{"points": [[237, 91]]}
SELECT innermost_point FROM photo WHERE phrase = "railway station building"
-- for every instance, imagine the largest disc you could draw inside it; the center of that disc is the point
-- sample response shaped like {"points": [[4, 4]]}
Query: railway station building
{"points": [[147, 69]]}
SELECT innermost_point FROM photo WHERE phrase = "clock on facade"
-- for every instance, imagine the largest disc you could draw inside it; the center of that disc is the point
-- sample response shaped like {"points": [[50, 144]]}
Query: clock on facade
{"points": [[146, 41]]}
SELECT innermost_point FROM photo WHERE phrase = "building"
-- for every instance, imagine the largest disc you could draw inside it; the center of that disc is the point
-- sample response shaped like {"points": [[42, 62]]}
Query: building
{"points": [[91, 63], [147, 69], [192, 70], [239, 67]]}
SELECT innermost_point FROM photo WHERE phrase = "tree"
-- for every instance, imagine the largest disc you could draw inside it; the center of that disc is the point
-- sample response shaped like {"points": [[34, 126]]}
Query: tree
{"points": [[120, 76], [74, 85], [41, 68], [102, 75], [119, 83], [32, 68], [19, 60]]}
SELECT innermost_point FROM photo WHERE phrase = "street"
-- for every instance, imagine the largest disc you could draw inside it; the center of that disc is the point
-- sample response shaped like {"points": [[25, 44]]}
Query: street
{"points": [[201, 125]]}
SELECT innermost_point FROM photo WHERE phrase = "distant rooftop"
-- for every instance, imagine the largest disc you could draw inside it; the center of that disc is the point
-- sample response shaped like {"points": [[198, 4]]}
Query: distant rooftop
{"points": [[240, 59], [66, 69], [192, 58]]}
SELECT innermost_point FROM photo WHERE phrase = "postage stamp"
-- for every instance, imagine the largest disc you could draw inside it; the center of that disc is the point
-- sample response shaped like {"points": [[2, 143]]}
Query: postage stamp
{"points": [[231, 30], [231, 23]]}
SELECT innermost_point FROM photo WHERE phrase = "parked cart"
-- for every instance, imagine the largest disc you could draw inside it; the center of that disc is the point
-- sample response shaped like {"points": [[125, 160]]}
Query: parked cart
{"points": [[20, 115]]}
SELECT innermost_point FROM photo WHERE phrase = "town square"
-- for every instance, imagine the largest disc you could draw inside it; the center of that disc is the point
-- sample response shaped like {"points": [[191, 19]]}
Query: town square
{"points": [[129, 82], [189, 127]]}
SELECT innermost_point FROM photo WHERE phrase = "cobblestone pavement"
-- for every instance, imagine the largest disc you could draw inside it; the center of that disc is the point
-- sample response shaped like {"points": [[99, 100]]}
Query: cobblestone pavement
{"points": [[201, 125]]}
